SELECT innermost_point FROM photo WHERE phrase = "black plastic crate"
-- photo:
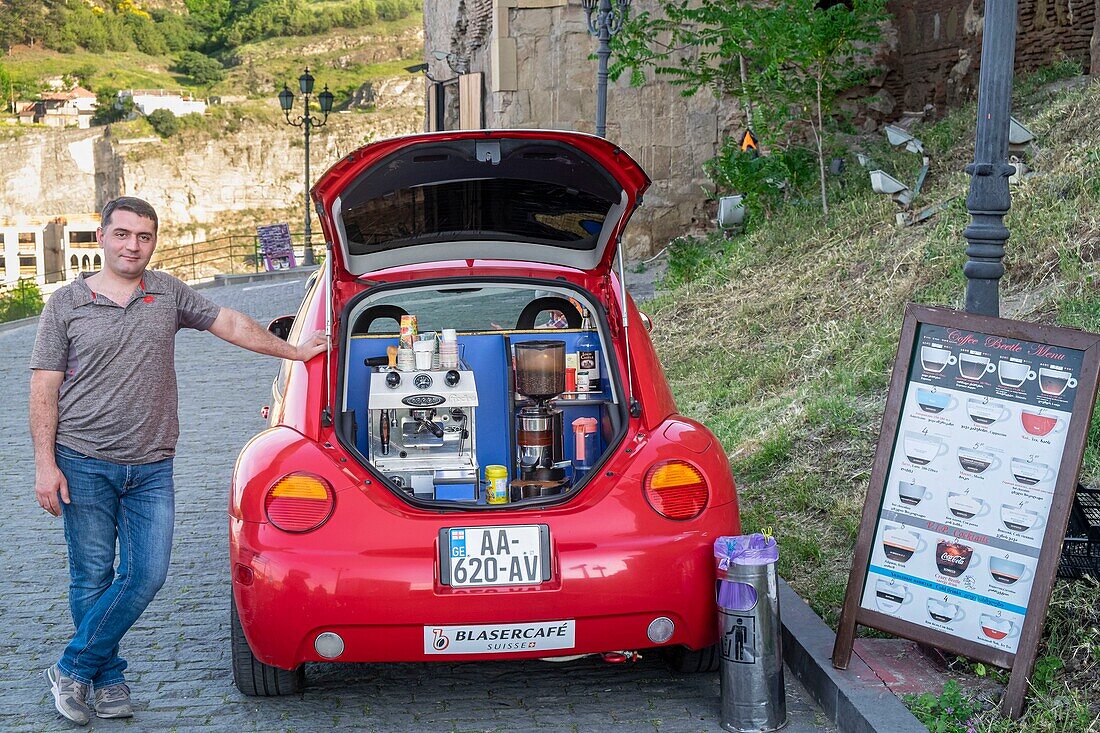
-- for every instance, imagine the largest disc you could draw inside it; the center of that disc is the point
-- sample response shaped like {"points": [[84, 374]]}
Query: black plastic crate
{"points": [[1081, 548]]}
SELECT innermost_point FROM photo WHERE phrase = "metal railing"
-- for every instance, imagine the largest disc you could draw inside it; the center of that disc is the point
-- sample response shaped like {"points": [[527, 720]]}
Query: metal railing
{"points": [[232, 254]]}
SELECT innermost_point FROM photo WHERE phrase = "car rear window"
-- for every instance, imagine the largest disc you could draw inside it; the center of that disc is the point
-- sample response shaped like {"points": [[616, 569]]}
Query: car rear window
{"points": [[487, 308]]}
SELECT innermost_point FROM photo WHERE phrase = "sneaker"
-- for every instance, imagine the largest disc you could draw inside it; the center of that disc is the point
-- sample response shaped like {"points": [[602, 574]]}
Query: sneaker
{"points": [[113, 701], [69, 696]]}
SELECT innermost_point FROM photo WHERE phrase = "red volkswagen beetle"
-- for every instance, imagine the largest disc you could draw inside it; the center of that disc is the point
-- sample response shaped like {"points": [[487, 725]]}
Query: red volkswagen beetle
{"points": [[488, 463]]}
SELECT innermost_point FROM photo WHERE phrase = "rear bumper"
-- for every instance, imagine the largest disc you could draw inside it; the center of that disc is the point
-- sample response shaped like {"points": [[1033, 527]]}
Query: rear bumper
{"points": [[384, 603]]}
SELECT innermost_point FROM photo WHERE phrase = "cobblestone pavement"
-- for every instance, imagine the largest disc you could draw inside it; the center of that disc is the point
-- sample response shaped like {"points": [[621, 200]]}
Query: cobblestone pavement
{"points": [[179, 650]]}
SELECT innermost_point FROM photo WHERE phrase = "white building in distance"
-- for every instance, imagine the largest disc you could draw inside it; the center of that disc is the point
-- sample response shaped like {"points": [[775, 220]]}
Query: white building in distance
{"points": [[150, 100]]}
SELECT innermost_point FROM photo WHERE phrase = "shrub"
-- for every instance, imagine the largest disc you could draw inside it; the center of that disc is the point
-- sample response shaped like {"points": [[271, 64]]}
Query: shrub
{"points": [[111, 108], [202, 69], [21, 301], [766, 180], [163, 122]]}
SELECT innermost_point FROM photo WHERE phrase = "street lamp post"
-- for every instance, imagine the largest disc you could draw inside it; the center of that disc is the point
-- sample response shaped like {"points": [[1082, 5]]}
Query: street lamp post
{"points": [[989, 200], [307, 122], [607, 22]]}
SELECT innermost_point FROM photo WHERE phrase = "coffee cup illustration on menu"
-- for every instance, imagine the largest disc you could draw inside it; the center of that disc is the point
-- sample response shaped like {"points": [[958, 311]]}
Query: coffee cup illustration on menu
{"points": [[944, 610], [965, 506], [1037, 422], [1054, 381], [935, 359], [1020, 518], [1007, 571], [900, 544], [1030, 473], [1014, 373], [977, 461], [912, 494], [984, 412], [922, 449], [954, 558], [974, 366], [933, 402], [997, 628], [890, 595]]}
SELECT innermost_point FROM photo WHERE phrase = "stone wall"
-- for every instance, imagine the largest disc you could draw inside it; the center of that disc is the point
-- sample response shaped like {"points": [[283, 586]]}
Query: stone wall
{"points": [[1094, 44], [202, 187], [937, 51], [534, 57]]}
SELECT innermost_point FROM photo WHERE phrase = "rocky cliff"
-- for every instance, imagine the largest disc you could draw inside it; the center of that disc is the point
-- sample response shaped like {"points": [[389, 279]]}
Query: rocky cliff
{"points": [[204, 184]]}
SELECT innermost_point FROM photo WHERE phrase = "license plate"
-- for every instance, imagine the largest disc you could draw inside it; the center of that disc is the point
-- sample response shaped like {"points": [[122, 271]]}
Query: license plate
{"points": [[474, 557]]}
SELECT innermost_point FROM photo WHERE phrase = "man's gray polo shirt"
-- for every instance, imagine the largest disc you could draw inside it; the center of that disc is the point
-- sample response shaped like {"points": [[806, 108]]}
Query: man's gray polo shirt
{"points": [[118, 399]]}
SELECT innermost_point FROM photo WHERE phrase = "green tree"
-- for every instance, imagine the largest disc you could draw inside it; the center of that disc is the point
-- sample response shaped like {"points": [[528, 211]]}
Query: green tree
{"points": [[164, 122], [145, 33], [23, 21], [786, 61], [6, 89], [111, 108], [22, 300], [83, 75], [203, 70], [179, 33]]}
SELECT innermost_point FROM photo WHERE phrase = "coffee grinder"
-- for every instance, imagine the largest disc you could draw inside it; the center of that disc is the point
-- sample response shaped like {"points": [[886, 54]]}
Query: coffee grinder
{"points": [[540, 377]]}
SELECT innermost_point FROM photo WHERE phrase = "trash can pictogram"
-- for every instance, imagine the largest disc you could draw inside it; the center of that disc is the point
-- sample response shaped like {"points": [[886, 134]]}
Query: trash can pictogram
{"points": [[751, 669]]}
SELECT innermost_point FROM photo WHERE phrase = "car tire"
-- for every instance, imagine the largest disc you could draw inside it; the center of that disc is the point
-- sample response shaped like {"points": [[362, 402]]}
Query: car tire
{"points": [[692, 661], [253, 677]]}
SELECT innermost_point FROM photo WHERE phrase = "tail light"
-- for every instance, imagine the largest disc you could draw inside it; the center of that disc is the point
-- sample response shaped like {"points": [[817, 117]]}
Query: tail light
{"points": [[299, 502], [676, 489]]}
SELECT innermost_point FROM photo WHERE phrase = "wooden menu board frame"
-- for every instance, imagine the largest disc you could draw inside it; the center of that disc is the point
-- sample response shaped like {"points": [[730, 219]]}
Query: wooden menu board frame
{"points": [[993, 333]]}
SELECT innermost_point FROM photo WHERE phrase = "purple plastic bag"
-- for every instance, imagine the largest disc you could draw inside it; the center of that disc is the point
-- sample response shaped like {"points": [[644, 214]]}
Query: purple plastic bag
{"points": [[753, 549], [736, 596]]}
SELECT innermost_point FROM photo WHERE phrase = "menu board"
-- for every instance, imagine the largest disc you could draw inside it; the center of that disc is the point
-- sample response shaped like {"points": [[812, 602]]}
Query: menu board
{"points": [[970, 483], [971, 487], [276, 246]]}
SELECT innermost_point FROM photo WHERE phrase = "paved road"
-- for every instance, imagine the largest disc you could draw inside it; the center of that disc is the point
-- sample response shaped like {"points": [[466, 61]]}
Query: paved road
{"points": [[179, 650]]}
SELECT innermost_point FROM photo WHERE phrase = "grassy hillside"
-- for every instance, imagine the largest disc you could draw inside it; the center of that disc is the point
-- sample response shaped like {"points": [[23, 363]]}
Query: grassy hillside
{"points": [[782, 340], [258, 69]]}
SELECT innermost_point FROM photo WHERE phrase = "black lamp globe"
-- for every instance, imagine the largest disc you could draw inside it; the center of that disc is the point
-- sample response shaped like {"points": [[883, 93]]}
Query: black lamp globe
{"points": [[305, 82], [286, 99], [325, 99]]}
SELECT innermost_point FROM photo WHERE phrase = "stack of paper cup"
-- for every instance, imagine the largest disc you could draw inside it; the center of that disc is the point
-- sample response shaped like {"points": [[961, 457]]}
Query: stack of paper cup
{"points": [[422, 350], [448, 350], [430, 337], [406, 360]]}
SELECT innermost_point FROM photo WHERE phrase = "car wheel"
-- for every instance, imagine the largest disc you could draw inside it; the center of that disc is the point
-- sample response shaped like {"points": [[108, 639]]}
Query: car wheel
{"points": [[252, 676], [691, 661]]}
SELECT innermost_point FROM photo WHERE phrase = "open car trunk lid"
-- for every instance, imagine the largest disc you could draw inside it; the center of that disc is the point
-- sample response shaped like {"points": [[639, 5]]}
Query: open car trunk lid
{"points": [[554, 197]]}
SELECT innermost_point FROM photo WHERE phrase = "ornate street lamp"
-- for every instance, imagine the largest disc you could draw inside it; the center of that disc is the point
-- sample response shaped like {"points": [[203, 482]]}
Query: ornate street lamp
{"points": [[307, 122], [607, 22]]}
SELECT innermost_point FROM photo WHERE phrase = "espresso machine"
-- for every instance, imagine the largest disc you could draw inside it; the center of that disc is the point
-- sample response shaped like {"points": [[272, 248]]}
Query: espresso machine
{"points": [[540, 377], [423, 431]]}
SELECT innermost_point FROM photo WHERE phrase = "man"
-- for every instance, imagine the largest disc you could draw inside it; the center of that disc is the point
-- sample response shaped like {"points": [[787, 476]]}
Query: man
{"points": [[103, 414]]}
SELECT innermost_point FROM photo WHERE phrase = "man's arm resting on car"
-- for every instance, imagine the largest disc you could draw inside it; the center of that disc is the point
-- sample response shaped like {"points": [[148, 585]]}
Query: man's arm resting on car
{"points": [[48, 479], [240, 330]]}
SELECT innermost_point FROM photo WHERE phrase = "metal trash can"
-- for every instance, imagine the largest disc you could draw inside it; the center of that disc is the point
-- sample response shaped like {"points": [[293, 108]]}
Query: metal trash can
{"points": [[751, 669]]}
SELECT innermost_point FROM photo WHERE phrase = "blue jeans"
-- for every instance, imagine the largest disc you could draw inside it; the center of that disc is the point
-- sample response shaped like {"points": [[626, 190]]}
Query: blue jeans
{"points": [[134, 505]]}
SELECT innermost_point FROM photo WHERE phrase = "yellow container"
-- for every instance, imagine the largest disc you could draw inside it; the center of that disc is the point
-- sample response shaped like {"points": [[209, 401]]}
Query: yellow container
{"points": [[497, 479]]}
